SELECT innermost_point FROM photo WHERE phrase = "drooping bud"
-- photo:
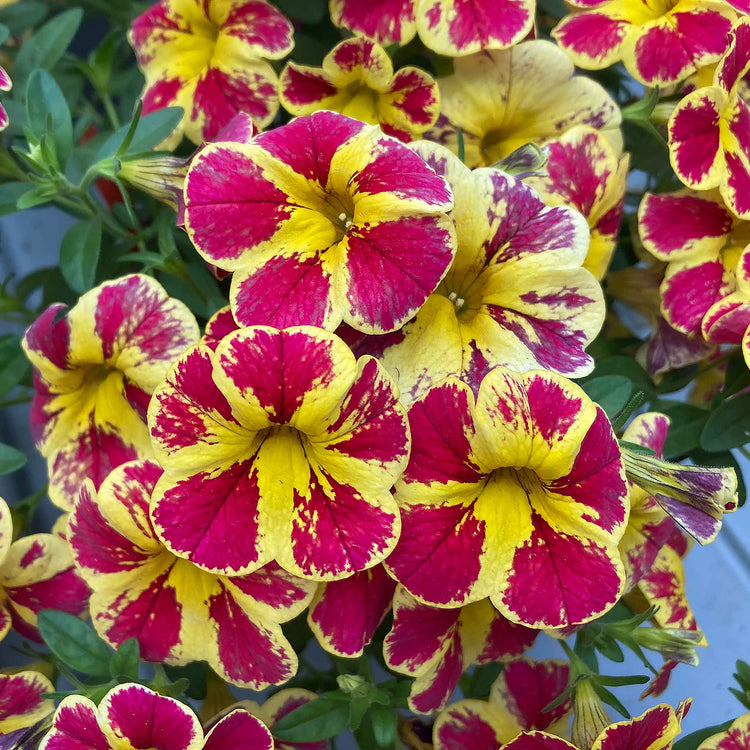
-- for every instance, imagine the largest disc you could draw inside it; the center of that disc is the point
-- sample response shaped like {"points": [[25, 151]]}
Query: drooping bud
{"points": [[673, 644], [695, 496]]}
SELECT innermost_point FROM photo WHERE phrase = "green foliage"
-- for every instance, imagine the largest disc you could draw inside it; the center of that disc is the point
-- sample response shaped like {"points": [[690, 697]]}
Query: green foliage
{"points": [[728, 426], [79, 253], [11, 459], [75, 643]]}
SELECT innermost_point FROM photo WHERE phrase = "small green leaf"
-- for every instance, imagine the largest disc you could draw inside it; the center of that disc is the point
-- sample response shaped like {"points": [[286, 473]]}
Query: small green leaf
{"points": [[147, 132], [635, 448], [611, 392], [10, 193], [357, 709], [125, 661], [37, 196], [11, 459], [480, 680], [22, 16], [14, 366], [315, 721], [79, 253], [687, 421], [384, 724], [46, 47], [74, 643], [642, 109], [729, 426], [48, 113], [196, 673]]}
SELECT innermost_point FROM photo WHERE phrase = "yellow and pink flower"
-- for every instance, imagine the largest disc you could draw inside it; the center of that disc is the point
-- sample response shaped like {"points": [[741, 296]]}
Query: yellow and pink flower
{"points": [[709, 130], [279, 445], [210, 57], [702, 243], [737, 737], [177, 612], [323, 220], [5, 85], [21, 700], [656, 729], [448, 27], [519, 496], [436, 645], [515, 295], [357, 79], [502, 100], [345, 614], [36, 573], [132, 715], [516, 704], [660, 43], [95, 367], [586, 173]]}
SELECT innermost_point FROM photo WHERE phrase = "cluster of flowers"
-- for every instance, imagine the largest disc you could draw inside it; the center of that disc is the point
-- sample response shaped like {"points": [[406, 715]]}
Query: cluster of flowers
{"points": [[382, 420]]}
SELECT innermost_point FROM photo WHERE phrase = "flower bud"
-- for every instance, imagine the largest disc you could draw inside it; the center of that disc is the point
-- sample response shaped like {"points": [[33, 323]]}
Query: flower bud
{"points": [[162, 177], [673, 644], [590, 717], [695, 496]]}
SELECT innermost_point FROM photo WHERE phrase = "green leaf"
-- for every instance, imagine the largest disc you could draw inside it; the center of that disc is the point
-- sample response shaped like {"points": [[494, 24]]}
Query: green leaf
{"points": [[14, 366], [10, 193], [48, 113], [125, 661], [74, 643], [145, 133], [480, 680], [46, 47], [196, 674], [694, 740], [357, 709], [11, 459], [729, 426], [79, 253], [611, 392], [22, 16], [318, 720], [687, 421], [636, 448], [37, 196], [384, 724]]}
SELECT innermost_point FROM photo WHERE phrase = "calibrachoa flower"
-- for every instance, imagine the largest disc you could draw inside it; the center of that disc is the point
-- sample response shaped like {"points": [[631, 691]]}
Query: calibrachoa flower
{"points": [[210, 57], [520, 496], [278, 446], [36, 573], [321, 220], [517, 701], [448, 27], [95, 367], [585, 172], [345, 614], [5, 85], [178, 612], [131, 715], [701, 241], [503, 100], [436, 645], [660, 44], [516, 294], [357, 79], [709, 130], [21, 702], [737, 737], [649, 527], [656, 729]]}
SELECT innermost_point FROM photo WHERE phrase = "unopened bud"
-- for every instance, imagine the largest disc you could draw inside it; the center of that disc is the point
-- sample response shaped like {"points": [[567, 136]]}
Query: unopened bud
{"points": [[590, 717]]}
